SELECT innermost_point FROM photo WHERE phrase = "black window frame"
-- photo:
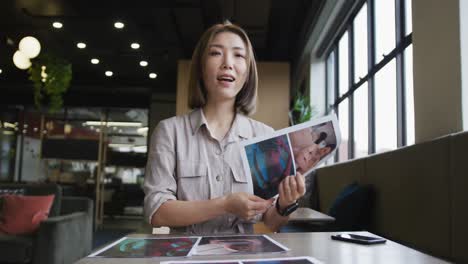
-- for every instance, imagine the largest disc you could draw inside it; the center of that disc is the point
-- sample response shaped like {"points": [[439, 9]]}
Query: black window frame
{"points": [[402, 41]]}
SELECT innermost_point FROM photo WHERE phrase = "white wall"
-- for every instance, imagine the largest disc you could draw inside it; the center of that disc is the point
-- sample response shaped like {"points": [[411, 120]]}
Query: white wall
{"points": [[437, 68], [464, 57]]}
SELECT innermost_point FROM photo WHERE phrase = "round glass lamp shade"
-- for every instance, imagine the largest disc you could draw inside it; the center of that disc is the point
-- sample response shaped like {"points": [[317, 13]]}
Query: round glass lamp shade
{"points": [[21, 61], [30, 47]]}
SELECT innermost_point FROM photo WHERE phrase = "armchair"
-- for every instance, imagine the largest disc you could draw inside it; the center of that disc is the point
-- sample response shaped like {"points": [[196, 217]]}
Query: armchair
{"points": [[64, 237]]}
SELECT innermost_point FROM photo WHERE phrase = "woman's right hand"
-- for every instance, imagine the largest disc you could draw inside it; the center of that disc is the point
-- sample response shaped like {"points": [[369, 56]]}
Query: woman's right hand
{"points": [[245, 205]]}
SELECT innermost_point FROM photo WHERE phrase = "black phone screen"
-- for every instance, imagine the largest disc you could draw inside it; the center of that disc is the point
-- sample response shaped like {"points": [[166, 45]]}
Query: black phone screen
{"points": [[360, 239]]}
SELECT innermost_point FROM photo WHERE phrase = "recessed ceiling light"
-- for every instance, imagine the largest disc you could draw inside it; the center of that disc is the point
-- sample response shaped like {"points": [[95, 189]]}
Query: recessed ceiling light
{"points": [[135, 45], [109, 73], [153, 75], [94, 61], [119, 25], [143, 63], [81, 45], [1, 71], [57, 25]]}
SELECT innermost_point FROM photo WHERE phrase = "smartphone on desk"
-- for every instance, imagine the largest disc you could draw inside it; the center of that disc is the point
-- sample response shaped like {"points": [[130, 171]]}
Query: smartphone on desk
{"points": [[359, 239]]}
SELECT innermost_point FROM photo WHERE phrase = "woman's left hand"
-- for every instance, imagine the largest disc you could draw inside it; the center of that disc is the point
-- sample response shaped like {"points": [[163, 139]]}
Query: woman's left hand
{"points": [[290, 189]]}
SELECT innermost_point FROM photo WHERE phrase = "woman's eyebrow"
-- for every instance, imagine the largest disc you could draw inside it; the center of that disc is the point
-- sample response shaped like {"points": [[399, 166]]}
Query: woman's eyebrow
{"points": [[222, 46]]}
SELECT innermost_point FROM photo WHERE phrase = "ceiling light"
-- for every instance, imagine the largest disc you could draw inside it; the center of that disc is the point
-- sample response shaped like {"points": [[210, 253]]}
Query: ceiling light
{"points": [[57, 25], [142, 130], [119, 145], [120, 124], [135, 45], [21, 61], [94, 61], [143, 63], [109, 73], [9, 125], [81, 45], [1, 71], [119, 25], [153, 75], [140, 149], [30, 47]]}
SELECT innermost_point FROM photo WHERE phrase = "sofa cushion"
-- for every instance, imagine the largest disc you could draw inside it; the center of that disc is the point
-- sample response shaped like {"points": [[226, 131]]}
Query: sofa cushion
{"points": [[36, 189], [16, 249], [23, 214]]}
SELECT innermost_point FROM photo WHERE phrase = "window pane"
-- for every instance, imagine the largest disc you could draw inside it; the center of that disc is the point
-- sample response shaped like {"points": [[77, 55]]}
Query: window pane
{"points": [[330, 80], [343, 64], [409, 95], [343, 120], [384, 28], [408, 17], [385, 108], [360, 44], [361, 121]]}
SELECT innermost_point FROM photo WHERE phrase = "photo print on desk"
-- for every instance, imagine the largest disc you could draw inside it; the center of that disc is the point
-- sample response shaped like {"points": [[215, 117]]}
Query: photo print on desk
{"points": [[286, 260], [239, 244], [128, 247]]}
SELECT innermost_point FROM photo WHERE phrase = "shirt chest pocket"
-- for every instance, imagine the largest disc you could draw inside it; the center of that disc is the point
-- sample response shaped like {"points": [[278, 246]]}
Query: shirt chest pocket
{"points": [[240, 182], [192, 180]]}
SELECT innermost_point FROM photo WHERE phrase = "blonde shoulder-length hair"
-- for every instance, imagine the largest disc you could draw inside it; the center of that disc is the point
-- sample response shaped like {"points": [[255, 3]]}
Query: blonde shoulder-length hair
{"points": [[246, 99]]}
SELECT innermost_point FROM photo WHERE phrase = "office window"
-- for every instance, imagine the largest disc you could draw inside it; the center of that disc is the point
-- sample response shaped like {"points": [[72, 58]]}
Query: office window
{"points": [[343, 113], [360, 44], [361, 119], [330, 79], [384, 27], [343, 64], [385, 108], [376, 105], [408, 17], [409, 95]]}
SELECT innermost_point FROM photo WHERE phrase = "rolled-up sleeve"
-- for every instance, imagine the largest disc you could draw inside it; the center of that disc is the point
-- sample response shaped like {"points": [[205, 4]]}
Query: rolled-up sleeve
{"points": [[160, 184]]}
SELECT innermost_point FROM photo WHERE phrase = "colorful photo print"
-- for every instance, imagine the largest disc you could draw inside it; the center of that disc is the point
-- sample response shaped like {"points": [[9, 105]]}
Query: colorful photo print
{"points": [[270, 161], [149, 247], [287, 260], [226, 245], [280, 261], [311, 145]]}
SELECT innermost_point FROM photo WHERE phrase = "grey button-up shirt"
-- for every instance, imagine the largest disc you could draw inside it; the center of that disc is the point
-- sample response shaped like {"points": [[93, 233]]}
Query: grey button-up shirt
{"points": [[186, 163]]}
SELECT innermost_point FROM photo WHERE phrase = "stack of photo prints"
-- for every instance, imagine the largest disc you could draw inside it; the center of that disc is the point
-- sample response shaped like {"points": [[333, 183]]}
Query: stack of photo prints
{"points": [[299, 148], [160, 247]]}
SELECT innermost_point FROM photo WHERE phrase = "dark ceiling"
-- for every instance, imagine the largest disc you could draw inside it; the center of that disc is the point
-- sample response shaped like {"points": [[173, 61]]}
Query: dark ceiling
{"points": [[166, 30]]}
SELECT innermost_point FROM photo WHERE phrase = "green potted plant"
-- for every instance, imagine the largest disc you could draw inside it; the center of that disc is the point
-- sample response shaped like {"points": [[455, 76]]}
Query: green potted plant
{"points": [[301, 110], [51, 77]]}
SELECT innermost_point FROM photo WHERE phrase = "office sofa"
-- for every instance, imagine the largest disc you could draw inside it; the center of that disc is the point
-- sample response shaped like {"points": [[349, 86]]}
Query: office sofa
{"points": [[64, 237], [421, 194]]}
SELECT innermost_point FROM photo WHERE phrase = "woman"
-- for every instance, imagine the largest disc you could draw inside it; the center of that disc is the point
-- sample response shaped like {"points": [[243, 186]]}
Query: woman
{"points": [[194, 179]]}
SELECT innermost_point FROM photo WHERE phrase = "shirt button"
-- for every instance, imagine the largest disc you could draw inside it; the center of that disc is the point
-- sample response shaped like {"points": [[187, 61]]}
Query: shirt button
{"points": [[218, 151], [218, 178]]}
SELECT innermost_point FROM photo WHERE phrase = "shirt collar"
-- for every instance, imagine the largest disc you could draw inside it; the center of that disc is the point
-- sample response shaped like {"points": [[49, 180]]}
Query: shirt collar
{"points": [[239, 127], [197, 119]]}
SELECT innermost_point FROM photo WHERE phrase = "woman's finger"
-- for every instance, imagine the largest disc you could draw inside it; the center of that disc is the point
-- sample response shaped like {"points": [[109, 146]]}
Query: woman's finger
{"points": [[287, 188], [301, 189]]}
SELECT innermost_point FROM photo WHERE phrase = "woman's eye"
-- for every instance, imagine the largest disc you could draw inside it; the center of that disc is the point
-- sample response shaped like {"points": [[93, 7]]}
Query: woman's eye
{"points": [[215, 53], [240, 55]]}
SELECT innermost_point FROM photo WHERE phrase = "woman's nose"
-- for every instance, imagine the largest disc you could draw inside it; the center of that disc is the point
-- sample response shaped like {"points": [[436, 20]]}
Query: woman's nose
{"points": [[227, 64]]}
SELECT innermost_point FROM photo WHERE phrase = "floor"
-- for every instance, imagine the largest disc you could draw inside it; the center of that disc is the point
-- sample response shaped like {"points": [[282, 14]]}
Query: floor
{"points": [[116, 227]]}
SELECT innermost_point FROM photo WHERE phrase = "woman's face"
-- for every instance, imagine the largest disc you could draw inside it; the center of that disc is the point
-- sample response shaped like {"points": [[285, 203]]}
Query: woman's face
{"points": [[307, 157], [302, 138], [225, 68]]}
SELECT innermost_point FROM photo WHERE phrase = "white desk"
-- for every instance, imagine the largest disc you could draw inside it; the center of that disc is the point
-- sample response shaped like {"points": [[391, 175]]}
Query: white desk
{"points": [[304, 214], [317, 245]]}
